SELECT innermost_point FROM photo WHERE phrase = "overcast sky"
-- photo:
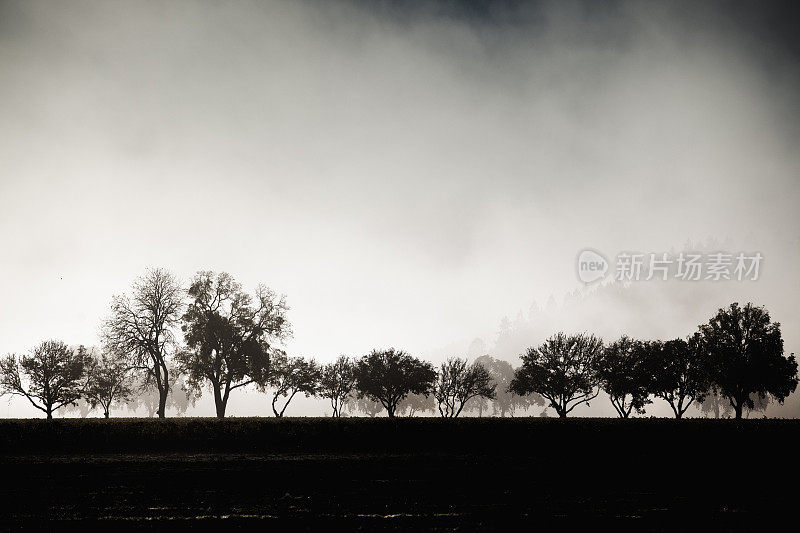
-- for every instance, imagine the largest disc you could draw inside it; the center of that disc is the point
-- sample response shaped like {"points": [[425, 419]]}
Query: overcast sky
{"points": [[407, 176]]}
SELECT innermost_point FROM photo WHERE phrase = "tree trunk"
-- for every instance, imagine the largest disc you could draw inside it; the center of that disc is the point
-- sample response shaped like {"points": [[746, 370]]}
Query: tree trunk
{"points": [[738, 409], [49, 413], [105, 413], [219, 402], [162, 401]]}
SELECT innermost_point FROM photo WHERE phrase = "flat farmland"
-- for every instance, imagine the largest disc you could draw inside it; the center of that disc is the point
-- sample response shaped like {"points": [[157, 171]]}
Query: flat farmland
{"points": [[406, 474]]}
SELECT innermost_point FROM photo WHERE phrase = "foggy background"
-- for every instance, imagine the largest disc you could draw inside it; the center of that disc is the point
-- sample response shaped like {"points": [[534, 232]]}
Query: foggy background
{"points": [[408, 175]]}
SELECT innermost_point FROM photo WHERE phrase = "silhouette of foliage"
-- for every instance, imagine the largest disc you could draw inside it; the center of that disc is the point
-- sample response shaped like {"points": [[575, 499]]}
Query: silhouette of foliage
{"points": [[108, 381], [715, 403], [388, 376], [562, 369], [148, 397], [290, 375], [51, 377], [416, 403], [457, 383], [227, 335], [622, 372], [366, 406], [505, 400], [744, 349], [337, 383], [142, 326], [677, 373]]}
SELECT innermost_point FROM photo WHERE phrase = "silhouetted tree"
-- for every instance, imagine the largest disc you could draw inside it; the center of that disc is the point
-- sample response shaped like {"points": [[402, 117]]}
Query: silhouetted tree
{"points": [[622, 371], [142, 327], [479, 404], [147, 396], [415, 403], [337, 383], [745, 354], [715, 403], [51, 377], [81, 407], [388, 376], [290, 375], [458, 382], [108, 381], [371, 408], [562, 369], [677, 371], [228, 335], [506, 401]]}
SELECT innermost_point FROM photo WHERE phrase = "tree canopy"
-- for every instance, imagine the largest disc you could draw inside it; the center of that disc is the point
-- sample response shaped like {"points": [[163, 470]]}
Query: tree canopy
{"points": [[51, 377], [459, 382], [622, 372], [142, 326], [562, 370], [228, 334], [744, 350], [388, 376]]}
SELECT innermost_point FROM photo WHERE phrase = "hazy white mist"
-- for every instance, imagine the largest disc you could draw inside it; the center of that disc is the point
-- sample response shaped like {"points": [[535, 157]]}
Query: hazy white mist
{"points": [[406, 180]]}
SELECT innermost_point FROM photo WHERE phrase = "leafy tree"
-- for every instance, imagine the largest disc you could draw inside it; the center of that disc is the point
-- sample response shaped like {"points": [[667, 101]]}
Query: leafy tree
{"points": [[147, 396], [290, 375], [108, 382], [81, 407], [415, 403], [505, 400], [51, 377], [745, 354], [677, 372], [142, 326], [479, 404], [366, 406], [388, 376], [715, 403], [337, 383], [562, 369], [622, 372], [458, 382], [228, 335]]}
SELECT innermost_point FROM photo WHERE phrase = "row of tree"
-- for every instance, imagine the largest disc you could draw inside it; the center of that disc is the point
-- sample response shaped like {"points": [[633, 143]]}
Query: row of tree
{"points": [[216, 336], [737, 357]]}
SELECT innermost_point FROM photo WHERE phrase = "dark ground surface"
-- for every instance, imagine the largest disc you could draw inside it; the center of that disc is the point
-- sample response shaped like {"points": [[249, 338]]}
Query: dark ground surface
{"points": [[412, 474]]}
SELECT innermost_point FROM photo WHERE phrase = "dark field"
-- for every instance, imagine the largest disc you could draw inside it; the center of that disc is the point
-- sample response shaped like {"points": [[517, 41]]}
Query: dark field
{"points": [[405, 474]]}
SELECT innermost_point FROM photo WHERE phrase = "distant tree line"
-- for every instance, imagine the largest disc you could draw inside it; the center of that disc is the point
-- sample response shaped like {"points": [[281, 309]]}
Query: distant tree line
{"points": [[215, 336]]}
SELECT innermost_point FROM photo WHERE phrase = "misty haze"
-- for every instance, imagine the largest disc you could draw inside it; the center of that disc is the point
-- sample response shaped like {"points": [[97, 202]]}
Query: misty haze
{"points": [[258, 257]]}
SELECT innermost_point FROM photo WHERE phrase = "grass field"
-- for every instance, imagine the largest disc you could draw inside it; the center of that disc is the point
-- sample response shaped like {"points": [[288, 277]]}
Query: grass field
{"points": [[404, 474]]}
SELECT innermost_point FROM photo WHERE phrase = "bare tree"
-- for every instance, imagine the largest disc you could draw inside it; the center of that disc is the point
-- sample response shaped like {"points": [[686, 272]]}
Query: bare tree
{"points": [[228, 335], [51, 377], [142, 326], [290, 375], [337, 383], [108, 381], [458, 382]]}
